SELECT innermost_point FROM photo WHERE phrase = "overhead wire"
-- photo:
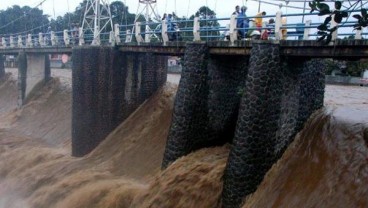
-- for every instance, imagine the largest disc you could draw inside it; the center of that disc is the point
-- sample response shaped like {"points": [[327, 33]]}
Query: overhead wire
{"points": [[67, 2], [188, 9], [53, 8], [29, 30], [166, 6], [206, 17], [215, 6], [278, 4], [125, 13], [21, 17], [187, 17], [175, 8]]}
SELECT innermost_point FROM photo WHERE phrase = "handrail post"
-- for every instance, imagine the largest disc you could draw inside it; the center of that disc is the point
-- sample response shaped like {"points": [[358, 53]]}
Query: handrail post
{"points": [[11, 42], [41, 39], [29, 41], [117, 34], [3, 42], [138, 36], [112, 38], [20, 41], [81, 36], [233, 32], [165, 37], [358, 34], [53, 39], [307, 30], [334, 24], [128, 37], [196, 29], [278, 24], [66, 38], [147, 35]]}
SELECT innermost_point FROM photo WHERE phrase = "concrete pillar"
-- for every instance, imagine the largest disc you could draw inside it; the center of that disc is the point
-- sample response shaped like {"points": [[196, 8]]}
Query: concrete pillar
{"points": [[107, 88], [189, 119], [279, 98], [2, 68], [149, 78], [252, 152], [47, 68], [206, 103], [97, 76], [33, 71], [312, 88], [22, 78]]}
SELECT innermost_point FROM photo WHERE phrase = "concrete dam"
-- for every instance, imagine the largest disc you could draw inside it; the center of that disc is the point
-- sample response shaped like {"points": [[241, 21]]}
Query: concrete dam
{"points": [[232, 119], [256, 103]]}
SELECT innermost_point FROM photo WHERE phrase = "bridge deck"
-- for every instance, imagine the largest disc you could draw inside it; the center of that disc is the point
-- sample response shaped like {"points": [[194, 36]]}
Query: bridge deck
{"points": [[305, 48]]}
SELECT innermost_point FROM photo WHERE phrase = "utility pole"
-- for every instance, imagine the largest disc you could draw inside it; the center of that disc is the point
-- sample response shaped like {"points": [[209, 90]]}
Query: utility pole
{"points": [[97, 17]]}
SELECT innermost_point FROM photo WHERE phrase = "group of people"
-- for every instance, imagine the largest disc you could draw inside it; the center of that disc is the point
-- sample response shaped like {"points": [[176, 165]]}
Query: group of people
{"points": [[74, 30], [242, 22], [172, 28]]}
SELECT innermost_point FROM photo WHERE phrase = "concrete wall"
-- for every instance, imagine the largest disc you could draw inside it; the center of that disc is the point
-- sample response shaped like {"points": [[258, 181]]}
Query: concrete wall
{"points": [[108, 86], [34, 70], [343, 80], [258, 104], [206, 102], [2, 68]]}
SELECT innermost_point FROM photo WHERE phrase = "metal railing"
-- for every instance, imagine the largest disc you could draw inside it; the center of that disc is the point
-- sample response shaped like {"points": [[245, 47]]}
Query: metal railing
{"points": [[177, 30]]}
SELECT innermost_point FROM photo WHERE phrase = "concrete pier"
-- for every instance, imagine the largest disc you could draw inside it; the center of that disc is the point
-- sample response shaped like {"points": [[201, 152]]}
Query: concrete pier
{"points": [[33, 72], [2, 68], [108, 85], [257, 103]]}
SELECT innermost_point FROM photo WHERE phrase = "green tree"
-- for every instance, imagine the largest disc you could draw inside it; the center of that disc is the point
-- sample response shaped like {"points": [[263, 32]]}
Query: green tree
{"points": [[338, 13], [356, 68], [208, 22], [120, 15], [22, 20]]}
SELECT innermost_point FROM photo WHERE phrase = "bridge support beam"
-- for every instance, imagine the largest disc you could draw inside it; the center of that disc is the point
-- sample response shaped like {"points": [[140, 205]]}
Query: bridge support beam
{"points": [[33, 72], [280, 95], [257, 104], [108, 85], [206, 103], [2, 68], [254, 142]]}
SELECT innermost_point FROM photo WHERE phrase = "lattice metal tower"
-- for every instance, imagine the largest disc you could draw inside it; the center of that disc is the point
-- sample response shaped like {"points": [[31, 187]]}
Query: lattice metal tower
{"points": [[97, 17], [149, 12]]}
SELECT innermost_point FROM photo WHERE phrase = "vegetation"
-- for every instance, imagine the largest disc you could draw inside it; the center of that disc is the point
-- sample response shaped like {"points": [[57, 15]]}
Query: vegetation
{"points": [[32, 20], [325, 29], [208, 20], [22, 20], [347, 68]]}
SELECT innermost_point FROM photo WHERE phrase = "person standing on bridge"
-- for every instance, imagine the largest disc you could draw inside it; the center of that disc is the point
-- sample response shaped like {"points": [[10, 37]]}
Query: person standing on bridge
{"points": [[258, 20], [74, 32], [164, 17], [270, 28], [48, 36], [171, 27], [242, 23], [237, 10]]}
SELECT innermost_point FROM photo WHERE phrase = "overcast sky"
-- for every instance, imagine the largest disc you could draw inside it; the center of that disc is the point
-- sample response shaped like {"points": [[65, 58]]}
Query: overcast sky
{"points": [[223, 8]]}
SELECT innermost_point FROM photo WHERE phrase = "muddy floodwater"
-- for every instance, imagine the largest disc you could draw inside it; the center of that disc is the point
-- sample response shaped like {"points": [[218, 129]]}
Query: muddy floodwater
{"points": [[325, 166]]}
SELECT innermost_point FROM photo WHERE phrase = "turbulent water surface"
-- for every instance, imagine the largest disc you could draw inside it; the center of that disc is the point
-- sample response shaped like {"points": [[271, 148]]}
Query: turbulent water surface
{"points": [[326, 165]]}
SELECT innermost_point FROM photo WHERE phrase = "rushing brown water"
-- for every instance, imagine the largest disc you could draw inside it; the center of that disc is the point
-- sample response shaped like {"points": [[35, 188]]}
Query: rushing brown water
{"points": [[326, 165]]}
